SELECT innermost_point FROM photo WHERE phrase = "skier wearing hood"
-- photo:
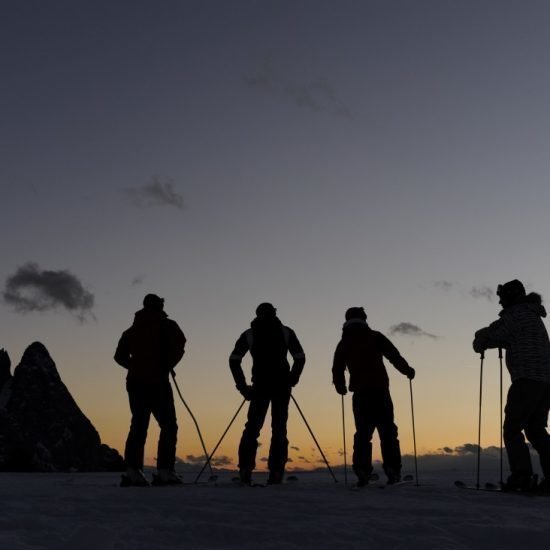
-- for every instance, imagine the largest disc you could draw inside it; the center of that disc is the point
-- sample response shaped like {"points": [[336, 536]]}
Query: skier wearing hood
{"points": [[521, 332], [149, 350], [362, 350], [268, 342]]}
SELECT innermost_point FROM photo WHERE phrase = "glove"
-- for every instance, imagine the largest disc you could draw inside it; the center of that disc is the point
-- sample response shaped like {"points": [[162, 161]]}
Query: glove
{"points": [[341, 389], [293, 379], [411, 374], [246, 391], [477, 347]]}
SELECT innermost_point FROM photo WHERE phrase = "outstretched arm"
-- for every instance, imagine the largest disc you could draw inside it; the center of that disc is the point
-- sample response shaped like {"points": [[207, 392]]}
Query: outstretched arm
{"points": [[391, 353]]}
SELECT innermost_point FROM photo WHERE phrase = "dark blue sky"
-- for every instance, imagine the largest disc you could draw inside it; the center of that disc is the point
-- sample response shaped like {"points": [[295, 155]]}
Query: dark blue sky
{"points": [[314, 154]]}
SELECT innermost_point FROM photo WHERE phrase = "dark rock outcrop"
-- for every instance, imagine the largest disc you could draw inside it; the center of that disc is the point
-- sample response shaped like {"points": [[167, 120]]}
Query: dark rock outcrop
{"points": [[41, 426]]}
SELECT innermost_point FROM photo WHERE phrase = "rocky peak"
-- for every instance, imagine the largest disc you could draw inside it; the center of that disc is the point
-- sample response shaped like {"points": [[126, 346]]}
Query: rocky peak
{"points": [[42, 427]]}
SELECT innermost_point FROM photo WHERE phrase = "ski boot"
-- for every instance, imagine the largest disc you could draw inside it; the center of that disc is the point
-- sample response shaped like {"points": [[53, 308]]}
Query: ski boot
{"points": [[166, 477], [133, 478]]}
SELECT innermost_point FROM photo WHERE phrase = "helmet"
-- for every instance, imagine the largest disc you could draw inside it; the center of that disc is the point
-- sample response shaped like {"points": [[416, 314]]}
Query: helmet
{"points": [[266, 311], [512, 291], [152, 301], [356, 313]]}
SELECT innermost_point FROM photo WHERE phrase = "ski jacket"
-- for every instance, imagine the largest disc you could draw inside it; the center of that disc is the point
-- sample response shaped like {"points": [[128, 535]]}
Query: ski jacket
{"points": [[521, 332], [269, 343], [151, 347], [362, 350]]}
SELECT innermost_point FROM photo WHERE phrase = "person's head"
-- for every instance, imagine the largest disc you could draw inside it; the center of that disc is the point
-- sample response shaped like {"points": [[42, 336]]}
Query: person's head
{"points": [[152, 302], [356, 313], [511, 293], [266, 311]]}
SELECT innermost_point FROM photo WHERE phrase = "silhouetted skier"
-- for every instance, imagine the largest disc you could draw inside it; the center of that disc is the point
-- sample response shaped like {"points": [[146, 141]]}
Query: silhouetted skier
{"points": [[150, 349], [361, 350], [269, 342], [521, 332]]}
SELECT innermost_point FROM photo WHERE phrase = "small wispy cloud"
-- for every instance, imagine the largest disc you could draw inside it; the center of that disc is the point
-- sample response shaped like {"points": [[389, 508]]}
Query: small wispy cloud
{"points": [[155, 193], [445, 286], [31, 288], [222, 460], [139, 280], [295, 448], [317, 96], [482, 291], [408, 329]]}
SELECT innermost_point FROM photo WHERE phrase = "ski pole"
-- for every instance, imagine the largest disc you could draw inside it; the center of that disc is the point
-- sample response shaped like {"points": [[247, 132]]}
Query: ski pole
{"points": [[414, 434], [479, 420], [314, 439], [344, 437], [208, 460], [194, 420], [501, 429]]}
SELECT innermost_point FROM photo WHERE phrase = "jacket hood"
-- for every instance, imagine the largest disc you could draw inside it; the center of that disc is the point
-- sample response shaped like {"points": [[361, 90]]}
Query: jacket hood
{"points": [[537, 309], [149, 315], [267, 323], [355, 324]]}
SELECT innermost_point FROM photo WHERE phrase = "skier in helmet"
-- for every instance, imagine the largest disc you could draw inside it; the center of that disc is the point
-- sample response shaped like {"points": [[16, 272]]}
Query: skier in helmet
{"points": [[268, 342], [149, 350], [521, 332], [361, 351]]}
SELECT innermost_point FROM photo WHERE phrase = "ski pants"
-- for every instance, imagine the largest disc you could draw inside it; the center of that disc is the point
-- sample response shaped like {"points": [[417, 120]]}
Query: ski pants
{"points": [[257, 410], [526, 411], [148, 398], [373, 409]]}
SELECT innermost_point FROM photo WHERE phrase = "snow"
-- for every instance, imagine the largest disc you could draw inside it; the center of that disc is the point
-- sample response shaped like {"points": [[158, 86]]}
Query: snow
{"points": [[90, 512]]}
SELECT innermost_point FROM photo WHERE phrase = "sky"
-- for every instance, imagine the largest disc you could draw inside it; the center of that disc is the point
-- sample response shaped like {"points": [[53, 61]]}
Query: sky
{"points": [[314, 154]]}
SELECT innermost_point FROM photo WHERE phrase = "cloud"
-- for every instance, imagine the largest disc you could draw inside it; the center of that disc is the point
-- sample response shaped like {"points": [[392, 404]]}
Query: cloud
{"points": [[482, 292], [317, 96], [155, 193], [408, 329], [192, 459], [466, 449], [295, 448], [32, 289], [445, 286], [138, 280], [304, 459], [223, 460]]}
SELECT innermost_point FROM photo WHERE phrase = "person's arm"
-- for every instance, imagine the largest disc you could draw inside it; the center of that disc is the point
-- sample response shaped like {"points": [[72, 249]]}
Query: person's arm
{"points": [[391, 353], [235, 359], [176, 344], [122, 353], [299, 357], [339, 369], [496, 335]]}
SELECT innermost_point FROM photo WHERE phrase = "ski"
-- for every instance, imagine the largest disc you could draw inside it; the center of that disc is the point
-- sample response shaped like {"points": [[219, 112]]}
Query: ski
{"points": [[407, 479], [496, 488]]}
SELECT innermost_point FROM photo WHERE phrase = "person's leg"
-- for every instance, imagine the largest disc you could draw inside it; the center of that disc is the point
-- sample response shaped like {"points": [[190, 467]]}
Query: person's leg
{"points": [[249, 440], [518, 411], [278, 450], [536, 428], [165, 414], [362, 440], [140, 408], [387, 430]]}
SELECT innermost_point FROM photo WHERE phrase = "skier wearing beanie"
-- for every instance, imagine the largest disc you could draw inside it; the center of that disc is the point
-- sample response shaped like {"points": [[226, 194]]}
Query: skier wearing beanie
{"points": [[269, 343], [149, 350], [521, 332], [361, 350]]}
